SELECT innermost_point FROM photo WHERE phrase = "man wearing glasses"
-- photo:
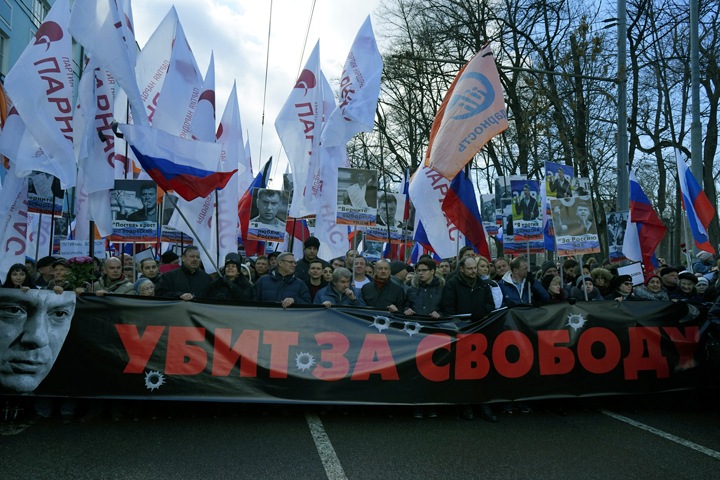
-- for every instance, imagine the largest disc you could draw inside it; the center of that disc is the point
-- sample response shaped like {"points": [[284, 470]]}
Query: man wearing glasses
{"points": [[425, 294], [281, 285]]}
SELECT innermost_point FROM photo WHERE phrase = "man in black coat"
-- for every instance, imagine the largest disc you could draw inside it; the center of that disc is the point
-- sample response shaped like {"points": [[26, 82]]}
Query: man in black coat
{"points": [[188, 281], [466, 292], [382, 293]]}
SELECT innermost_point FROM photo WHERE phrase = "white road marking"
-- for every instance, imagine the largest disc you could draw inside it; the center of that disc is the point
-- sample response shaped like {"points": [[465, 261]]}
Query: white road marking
{"points": [[329, 458], [668, 436]]}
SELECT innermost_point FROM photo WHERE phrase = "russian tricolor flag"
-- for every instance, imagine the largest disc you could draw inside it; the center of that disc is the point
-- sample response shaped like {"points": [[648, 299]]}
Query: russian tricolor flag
{"points": [[696, 204], [461, 208], [252, 247], [187, 166], [645, 230]]}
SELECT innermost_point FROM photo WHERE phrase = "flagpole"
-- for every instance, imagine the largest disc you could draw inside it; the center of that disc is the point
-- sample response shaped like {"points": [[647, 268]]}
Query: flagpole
{"points": [[580, 264], [688, 245], [527, 249], [217, 228], [195, 235], [37, 242]]}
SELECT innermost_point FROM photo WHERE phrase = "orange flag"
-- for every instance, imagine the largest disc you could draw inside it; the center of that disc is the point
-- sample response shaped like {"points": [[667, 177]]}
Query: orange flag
{"points": [[472, 113]]}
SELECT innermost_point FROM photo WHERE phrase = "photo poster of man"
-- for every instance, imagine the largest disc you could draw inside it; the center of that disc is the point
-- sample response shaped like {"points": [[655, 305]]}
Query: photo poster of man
{"points": [[61, 231], [44, 194], [616, 226], [575, 229], [527, 221], [357, 196], [371, 249], [488, 213], [268, 215], [134, 207], [170, 234], [558, 180], [504, 201], [389, 212]]}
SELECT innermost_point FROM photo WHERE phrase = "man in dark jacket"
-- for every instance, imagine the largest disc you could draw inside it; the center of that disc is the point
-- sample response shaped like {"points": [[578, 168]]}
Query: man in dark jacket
{"points": [[281, 285], [425, 295], [467, 293], [382, 293], [232, 285], [188, 281], [310, 253]]}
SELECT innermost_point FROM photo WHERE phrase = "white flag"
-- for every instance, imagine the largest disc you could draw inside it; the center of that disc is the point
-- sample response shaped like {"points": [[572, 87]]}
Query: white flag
{"points": [[40, 86], [13, 222], [230, 135], [359, 90], [299, 125], [105, 29]]}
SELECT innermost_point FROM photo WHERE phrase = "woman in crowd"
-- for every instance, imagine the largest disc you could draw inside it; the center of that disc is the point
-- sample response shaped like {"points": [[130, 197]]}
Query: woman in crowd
{"points": [[327, 274], [18, 277], [483, 270], [652, 289], [703, 289], [144, 287], [553, 284], [584, 286], [231, 285], [621, 288], [601, 278]]}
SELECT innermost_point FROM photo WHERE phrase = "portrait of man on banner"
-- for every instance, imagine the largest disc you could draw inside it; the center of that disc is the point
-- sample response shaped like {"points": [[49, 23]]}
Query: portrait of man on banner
{"points": [[268, 215], [135, 210], [33, 328], [357, 197], [616, 226], [489, 214], [575, 229], [44, 194], [558, 180]]}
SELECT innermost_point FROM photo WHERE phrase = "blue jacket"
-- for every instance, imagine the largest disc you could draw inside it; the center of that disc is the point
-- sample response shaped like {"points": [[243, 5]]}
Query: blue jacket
{"points": [[328, 294], [273, 287], [514, 296]]}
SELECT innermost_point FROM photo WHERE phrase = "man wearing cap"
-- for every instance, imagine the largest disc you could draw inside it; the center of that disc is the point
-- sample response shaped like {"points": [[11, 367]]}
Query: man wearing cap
{"points": [[188, 281], [45, 269], [232, 285], [399, 272], [113, 280], [58, 284], [310, 252], [669, 276]]}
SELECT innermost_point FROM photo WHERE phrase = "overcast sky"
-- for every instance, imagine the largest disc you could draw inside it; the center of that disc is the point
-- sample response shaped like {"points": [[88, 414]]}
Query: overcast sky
{"points": [[237, 32]]}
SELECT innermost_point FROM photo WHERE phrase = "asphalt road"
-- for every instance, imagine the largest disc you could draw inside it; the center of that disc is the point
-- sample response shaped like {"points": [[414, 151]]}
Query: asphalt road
{"points": [[673, 436]]}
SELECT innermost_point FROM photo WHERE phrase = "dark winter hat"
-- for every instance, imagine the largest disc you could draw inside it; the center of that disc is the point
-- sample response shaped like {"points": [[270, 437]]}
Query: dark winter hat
{"points": [[168, 257], [45, 262], [311, 242], [397, 266], [688, 276], [619, 280], [665, 270], [59, 261], [233, 257], [547, 266], [581, 281]]}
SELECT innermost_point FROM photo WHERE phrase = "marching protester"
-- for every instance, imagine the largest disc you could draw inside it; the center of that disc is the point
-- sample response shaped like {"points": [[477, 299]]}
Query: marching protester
{"points": [[188, 281], [381, 293], [398, 273], [316, 279], [310, 253], [670, 279], [584, 290], [621, 288], [19, 277], [519, 288], [601, 278], [339, 291], [686, 289], [150, 269], [483, 266], [424, 297], [59, 283], [113, 280], [45, 270], [327, 274], [262, 267], [281, 285], [231, 285], [144, 287], [652, 289], [553, 285]]}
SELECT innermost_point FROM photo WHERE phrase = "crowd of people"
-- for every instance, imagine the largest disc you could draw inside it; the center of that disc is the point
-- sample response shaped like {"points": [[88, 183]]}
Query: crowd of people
{"points": [[469, 285]]}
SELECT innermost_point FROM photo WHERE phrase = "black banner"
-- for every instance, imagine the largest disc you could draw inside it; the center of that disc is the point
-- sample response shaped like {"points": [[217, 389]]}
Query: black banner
{"points": [[132, 347]]}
